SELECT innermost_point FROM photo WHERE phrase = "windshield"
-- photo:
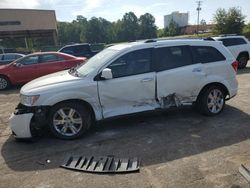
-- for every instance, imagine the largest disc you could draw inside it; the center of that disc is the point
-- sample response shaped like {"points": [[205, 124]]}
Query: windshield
{"points": [[96, 61]]}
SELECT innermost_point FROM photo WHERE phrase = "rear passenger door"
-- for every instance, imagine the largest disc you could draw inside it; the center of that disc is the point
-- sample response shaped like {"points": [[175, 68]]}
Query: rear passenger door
{"points": [[50, 63], [179, 78]]}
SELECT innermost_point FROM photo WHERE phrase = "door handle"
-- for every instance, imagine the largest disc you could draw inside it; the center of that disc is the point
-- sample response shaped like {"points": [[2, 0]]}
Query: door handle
{"points": [[147, 80]]}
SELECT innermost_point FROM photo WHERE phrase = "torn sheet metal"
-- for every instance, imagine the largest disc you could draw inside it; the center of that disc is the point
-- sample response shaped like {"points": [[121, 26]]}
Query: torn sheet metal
{"points": [[109, 164], [170, 101]]}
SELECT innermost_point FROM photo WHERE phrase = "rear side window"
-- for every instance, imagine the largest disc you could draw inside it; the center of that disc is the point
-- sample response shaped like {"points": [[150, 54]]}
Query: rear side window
{"points": [[172, 57], [48, 58], [206, 54], [233, 41]]}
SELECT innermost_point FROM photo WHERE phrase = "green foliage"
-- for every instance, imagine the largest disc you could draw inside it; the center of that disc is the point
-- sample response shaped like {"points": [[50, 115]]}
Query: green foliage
{"points": [[99, 30], [246, 30], [228, 22], [147, 27], [172, 29]]}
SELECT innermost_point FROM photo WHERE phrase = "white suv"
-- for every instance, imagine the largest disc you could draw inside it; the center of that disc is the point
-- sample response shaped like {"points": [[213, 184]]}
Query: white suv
{"points": [[239, 46], [128, 78]]}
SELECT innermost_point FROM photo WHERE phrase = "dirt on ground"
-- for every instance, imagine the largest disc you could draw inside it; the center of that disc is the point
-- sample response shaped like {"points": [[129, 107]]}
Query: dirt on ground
{"points": [[178, 148]]}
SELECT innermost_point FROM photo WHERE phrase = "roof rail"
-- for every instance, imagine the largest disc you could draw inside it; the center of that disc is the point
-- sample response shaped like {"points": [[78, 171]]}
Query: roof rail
{"points": [[150, 40]]}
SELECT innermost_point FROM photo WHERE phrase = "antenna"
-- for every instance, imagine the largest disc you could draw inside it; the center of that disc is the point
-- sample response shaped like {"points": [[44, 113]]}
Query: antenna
{"points": [[198, 9]]}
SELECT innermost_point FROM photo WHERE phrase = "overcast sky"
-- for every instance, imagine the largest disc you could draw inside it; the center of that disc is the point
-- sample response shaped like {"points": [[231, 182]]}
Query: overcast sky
{"points": [[67, 10]]}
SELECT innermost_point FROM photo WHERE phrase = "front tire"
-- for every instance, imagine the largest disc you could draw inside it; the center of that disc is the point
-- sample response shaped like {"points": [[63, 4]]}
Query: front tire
{"points": [[69, 120], [212, 101]]}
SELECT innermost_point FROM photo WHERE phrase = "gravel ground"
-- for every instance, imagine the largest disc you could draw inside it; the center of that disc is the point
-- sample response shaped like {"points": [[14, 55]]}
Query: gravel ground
{"points": [[179, 148]]}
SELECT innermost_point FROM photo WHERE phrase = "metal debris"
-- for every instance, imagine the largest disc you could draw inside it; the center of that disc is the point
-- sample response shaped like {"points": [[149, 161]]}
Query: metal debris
{"points": [[109, 164], [245, 172]]}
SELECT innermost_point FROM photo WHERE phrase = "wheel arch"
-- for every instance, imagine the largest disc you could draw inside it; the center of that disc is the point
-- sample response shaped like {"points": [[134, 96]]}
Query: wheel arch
{"points": [[84, 103], [221, 85]]}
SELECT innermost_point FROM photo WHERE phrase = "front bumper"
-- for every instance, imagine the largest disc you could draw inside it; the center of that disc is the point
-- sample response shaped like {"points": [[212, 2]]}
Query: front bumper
{"points": [[20, 125], [26, 121]]}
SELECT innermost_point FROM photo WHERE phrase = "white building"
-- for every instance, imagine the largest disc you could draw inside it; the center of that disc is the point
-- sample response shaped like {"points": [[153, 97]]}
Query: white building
{"points": [[180, 18]]}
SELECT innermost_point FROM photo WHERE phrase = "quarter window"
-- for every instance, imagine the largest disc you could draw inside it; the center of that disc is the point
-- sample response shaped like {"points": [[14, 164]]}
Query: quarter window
{"points": [[233, 41], [133, 63], [173, 57], [206, 54]]}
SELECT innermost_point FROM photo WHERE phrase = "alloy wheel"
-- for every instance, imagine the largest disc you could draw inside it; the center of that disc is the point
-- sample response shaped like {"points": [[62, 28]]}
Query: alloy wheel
{"points": [[215, 101]]}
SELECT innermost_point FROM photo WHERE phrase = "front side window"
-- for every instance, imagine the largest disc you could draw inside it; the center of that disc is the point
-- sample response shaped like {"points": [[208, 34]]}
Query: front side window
{"points": [[172, 57], [206, 54], [29, 60], [132, 63], [68, 50]]}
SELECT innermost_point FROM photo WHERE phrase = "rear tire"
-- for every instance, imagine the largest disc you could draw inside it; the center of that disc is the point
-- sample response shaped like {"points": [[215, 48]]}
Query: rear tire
{"points": [[4, 82], [243, 59], [69, 120], [212, 101]]}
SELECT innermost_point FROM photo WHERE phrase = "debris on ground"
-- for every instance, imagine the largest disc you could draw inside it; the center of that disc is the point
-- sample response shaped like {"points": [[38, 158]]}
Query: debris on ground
{"points": [[108, 164]]}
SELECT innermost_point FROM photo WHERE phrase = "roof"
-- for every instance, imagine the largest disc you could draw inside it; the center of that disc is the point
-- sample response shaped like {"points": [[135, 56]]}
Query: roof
{"points": [[162, 42]]}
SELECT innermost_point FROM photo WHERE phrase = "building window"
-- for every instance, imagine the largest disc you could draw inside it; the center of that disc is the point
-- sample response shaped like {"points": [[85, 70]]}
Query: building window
{"points": [[4, 23]]}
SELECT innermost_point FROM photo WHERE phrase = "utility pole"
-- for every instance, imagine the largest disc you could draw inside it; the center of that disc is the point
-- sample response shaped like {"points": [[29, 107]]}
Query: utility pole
{"points": [[198, 20]]}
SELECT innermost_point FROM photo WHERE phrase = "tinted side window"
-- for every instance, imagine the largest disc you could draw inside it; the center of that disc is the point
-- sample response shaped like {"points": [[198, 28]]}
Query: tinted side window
{"points": [[137, 62], [172, 57], [9, 57], [68, 50], [29, 60], [206, 54], [233, 41], [48, 58]]}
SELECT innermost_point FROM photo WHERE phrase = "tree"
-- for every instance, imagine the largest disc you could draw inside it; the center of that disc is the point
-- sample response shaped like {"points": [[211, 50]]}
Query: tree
{"points": [[228, 22], [172, 29], [129, 27], [147, 27], [246, 30]]}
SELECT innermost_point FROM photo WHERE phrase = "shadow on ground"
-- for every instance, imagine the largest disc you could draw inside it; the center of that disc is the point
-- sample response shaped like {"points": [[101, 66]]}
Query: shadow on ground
{"points": [[153, 137]]}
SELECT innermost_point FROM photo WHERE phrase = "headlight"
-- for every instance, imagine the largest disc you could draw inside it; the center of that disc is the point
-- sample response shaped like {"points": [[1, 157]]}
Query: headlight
{"points": [[29, 100]]}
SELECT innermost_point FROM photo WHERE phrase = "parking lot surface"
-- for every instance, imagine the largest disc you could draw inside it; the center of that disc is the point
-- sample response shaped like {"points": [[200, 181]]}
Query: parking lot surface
{"points": [[179, 148]]}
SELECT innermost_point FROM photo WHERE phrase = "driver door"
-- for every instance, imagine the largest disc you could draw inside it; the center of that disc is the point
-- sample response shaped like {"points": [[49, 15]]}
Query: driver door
{"points": [[132, 88], [26, 70]]}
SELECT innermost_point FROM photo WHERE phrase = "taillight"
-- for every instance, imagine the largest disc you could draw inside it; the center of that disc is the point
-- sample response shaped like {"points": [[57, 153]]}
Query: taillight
{"points": [[235, 65]]}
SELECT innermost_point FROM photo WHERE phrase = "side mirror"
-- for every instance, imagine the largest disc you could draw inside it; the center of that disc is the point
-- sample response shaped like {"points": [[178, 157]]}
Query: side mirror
{"points": [[18, 65], [107, 74]]}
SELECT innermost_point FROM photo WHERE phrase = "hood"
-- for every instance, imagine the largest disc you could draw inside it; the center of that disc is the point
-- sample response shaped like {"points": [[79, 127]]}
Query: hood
{"points": [[45, 82], [4, 66]]}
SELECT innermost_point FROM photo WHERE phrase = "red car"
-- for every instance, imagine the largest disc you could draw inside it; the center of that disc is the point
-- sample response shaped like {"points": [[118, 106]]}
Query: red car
{"points": [[36, 65]]}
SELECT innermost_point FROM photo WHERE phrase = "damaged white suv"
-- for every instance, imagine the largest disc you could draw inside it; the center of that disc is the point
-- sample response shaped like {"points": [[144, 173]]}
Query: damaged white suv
{"points": [[124, 79]]}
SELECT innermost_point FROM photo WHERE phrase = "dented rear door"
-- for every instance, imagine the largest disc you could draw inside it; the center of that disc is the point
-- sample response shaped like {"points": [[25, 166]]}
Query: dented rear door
{"points": [[178, 77]]}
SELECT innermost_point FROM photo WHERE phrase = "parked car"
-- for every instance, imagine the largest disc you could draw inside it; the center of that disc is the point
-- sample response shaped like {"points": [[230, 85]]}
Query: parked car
{"points": [[35, 65], [79, 50], [128, 78], [9, 57], [239, 46]]}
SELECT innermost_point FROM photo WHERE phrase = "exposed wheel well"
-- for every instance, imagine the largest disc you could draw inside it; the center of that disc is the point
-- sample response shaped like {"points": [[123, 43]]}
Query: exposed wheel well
{"points": [[243, 54], [84, 103], [224, 88]]}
